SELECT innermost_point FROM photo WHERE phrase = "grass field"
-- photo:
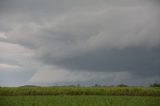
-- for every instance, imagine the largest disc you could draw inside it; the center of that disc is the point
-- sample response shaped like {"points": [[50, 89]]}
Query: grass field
{"points": [[79, 96], [79, 101], [68, 90]]}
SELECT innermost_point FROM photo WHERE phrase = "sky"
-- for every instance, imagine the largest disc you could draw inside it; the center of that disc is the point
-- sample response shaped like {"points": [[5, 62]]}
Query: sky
{"points": [[48, 42]]}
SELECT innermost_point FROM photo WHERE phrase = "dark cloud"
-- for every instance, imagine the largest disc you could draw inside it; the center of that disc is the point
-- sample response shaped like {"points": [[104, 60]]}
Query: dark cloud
{"points": [[135, 59], [89, 35]]}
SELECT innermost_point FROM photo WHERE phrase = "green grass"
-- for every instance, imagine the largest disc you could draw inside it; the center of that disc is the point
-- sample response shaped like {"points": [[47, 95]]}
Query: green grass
{"points": [[79, 101], [67, 90], [79, 96]]}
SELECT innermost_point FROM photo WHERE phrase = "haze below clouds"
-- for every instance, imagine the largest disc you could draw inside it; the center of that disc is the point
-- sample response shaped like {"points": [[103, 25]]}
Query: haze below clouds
{"points": [[72, 41]]}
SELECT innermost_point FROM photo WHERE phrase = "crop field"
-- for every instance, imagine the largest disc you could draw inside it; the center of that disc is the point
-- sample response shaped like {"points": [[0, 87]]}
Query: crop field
{"points": [[69, 90], [79, 96], [79, 101]]}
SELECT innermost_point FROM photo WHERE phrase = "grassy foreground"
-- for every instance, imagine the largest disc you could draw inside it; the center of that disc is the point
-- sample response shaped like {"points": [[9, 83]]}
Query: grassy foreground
{"points": [[68, 90], [79, 101], [79, 96]]}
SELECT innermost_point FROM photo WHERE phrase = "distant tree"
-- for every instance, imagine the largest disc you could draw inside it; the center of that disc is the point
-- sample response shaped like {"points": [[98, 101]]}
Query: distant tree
{"points": [[96, 85], [155, 85], [111, 85], [71, 85], [78, 85], [29, 86], [122, 85]]}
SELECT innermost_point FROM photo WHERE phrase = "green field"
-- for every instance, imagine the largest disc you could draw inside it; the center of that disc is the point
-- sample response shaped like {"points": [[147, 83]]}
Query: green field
{"points": [[68, 90], [79, 101], [79, 96]]}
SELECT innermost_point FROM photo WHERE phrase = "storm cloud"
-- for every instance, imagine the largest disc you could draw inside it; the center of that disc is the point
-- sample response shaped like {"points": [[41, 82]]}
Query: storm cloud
{"points": [[98, 39]]}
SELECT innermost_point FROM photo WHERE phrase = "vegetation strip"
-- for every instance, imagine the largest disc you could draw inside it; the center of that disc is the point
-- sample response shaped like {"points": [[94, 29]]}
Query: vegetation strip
{"points": [[69, 90], [79, 101]]}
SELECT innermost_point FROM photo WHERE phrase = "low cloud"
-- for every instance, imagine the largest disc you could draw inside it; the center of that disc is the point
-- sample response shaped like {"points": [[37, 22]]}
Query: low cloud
{"points": [[56, 75], [103, 36]]}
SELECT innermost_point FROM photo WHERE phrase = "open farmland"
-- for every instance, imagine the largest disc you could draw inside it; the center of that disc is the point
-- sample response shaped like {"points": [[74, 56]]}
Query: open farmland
{"points": [[79, 96], [79, 101], [69, 90]]}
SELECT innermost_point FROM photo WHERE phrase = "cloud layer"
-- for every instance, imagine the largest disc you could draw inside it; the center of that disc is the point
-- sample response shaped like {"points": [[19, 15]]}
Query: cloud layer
{"points": [[88, 36]]}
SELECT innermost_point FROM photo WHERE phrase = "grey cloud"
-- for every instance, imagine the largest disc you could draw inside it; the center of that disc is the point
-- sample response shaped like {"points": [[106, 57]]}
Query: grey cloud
{"points": [[134, 59], [105, 35], [14, 78], [84, 22]]}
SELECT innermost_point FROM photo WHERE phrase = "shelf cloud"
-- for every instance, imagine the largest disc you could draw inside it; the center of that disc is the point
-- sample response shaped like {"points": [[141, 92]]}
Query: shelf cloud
{"points": [[111, 37]]}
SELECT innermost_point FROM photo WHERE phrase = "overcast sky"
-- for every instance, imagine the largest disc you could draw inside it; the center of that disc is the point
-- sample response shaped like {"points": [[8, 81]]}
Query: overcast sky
{"points": [[49, 42]]}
